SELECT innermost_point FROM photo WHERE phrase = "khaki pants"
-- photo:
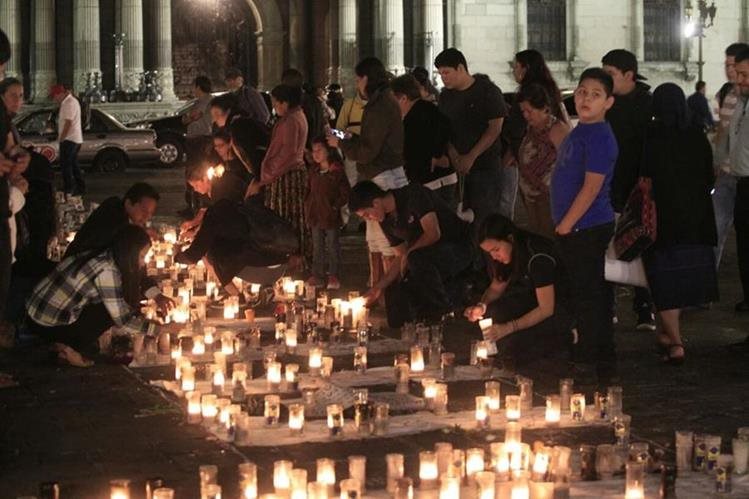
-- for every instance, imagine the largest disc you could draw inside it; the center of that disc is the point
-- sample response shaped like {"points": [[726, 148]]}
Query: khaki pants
{"points": [[538, 209]]}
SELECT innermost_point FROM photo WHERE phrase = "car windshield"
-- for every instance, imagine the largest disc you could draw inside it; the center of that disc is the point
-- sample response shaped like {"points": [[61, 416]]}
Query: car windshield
{"points": [[39, 123]]}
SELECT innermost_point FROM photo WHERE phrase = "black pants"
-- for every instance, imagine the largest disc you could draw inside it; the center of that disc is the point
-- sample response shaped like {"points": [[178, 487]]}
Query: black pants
{"points": [[82, 335], [5, 264], [72, 177], [583, 256], [741, 224]]}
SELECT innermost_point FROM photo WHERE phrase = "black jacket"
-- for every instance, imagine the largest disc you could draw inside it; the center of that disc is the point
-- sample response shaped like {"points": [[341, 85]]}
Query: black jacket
{"points": [[680, 163], [100, 227], [629, 117], [426, 134]]}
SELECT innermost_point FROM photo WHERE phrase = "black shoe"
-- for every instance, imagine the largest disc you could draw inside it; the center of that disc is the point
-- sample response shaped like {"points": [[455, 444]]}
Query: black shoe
{"points": [[645, 321], [742, 306]]}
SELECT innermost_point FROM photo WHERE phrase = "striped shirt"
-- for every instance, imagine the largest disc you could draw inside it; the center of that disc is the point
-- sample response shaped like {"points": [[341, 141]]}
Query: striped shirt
{"points": [[60, 297]]}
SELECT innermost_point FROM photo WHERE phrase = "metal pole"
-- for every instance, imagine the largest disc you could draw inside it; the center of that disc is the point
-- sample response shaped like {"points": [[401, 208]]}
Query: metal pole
{"points": [[700, 62]]}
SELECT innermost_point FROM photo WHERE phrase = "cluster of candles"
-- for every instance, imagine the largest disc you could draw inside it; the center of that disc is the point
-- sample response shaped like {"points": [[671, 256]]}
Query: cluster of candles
{"points": [[701, 452]]}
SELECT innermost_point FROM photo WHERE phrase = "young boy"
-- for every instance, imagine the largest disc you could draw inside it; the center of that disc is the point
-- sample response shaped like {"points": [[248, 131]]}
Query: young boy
{"points": [[584, 218]]}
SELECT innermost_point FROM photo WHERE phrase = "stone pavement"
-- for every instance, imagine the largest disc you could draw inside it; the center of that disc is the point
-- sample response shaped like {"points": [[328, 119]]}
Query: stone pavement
{"points": [[85, 427]]}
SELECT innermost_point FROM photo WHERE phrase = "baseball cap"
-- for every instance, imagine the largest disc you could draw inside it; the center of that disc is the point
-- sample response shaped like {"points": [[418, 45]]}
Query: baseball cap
{"points": [[624, 60], [57, 89]]}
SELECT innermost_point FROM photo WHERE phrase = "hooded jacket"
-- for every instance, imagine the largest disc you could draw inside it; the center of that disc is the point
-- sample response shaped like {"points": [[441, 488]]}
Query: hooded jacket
{"points": [[629, 118]]}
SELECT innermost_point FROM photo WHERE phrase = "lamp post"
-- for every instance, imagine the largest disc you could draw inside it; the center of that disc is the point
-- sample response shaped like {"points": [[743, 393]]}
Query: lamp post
{"points": [[696, 26]]}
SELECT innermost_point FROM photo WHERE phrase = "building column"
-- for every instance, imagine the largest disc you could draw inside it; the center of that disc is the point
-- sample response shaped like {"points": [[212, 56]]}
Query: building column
{"points": [[744, 20], [430, 32], [131, 15], [297, 34], [10, 23], [347, 45], [269, 58], [389, 34], [86, 45], [521, 25], [636, 32], [162, 31], [43, 74]]}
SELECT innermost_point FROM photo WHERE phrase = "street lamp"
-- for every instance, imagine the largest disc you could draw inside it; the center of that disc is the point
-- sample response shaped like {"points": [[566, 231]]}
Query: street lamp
{"points": [[697, 26]]}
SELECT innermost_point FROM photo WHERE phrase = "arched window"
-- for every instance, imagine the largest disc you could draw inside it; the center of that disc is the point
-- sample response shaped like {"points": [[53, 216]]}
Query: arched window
{"points": [[662, 29], [547, 28]]}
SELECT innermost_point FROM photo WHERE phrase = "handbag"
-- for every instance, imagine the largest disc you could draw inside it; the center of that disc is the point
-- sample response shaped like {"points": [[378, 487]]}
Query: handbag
{"points": [[637, 227], [630, 273]]}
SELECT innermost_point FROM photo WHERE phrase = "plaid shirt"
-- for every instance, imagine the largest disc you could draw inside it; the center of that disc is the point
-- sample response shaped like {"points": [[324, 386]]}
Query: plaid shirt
{"points": [[60, 297]]}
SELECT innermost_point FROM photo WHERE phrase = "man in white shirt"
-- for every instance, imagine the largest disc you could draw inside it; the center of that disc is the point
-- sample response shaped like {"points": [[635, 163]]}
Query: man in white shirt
{"points": [[70, 137]]}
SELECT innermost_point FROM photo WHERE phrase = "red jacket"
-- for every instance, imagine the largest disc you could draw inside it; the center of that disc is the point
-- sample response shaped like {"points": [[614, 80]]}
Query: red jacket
{"points": [[327, 193]]}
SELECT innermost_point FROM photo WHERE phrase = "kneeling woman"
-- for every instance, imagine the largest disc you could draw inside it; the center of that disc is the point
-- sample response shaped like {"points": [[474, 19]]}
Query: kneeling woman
{"points": [[90, 292], [524, 295]]}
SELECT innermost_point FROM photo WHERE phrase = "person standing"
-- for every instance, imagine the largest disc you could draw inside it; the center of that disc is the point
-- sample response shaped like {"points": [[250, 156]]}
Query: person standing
{"points": [[681, 264], [724, 195], [70, 137], [476, 110], [700, 108], [629, 117], [198, 137], [349, 122], [249, 100], [584, 218]]}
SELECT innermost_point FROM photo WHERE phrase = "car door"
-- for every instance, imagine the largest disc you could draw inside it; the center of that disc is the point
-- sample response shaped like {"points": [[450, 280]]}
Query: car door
{"points": [[38, 130]]}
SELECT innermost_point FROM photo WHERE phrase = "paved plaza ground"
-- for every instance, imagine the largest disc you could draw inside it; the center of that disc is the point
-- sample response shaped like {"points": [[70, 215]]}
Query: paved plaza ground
{"points": [[83, 427]]}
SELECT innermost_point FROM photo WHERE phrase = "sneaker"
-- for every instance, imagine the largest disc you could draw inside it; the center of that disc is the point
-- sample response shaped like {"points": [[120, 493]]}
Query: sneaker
{"points": [[333, 283], [645, 321]]}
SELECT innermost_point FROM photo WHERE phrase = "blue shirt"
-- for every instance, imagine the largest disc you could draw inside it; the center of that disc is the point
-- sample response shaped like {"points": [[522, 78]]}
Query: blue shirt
{"points": [[588, 148]]}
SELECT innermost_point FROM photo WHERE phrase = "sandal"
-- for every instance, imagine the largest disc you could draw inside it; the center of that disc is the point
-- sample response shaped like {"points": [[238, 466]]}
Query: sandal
{"points": [[662, 347], [670, 358]]}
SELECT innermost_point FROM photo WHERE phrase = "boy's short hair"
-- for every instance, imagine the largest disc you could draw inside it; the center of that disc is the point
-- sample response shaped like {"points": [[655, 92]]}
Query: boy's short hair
{"points": [[203, 83], [233, 74], [407, 86], [742, 56], [736, 48], [601, 77], [363, 195], [450, 58], [140, 190], [624, 61], [699, 85]]}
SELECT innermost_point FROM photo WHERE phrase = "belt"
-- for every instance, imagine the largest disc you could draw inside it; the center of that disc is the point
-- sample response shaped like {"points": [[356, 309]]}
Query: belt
{"points": [[442, 182]]}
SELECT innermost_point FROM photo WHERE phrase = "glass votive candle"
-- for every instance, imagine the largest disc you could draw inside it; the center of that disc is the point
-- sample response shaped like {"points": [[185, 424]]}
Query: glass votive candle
{"points": [[395, 470], [326, 473], [525, 385], [541, 490], [500, 460], [381, 418], [167, 493], [417, 359], [482, 412], [239, 374], [615, 398], [457, 464], [402, 374], [291, 340], [247, 480], [553, 410], [740, 449], [684, 449], [280, 329], [474, 461], [639, 452], [335, 419], [512, 407], [605, 465], [208, 407], [712, 443], [404, 488], [296, 419], [428, 471], [635, 481], [218, 380], [622, 424], [492, 389], [273, 376], [222, 409], [449, 487], [541, 463], [357, 469], [513, 436], [194, 407], [119, 489], [430, 392], [315, 361], [440, 399], [317, 490], [447, 363], [175, 351], [444, 451], [485, 484], [282, 477], [188, 379], [298, 483], [520, 487], [327, 367], [291, 377], [360, 359], [272, 409], [208, 474], [351, 488], [577, 407]]}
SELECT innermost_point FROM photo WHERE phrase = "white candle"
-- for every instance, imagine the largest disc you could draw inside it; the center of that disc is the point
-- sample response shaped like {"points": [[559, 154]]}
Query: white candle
{"points": [[188, 379], [449, 487], [298, 483], [513, 437], [474, 461], [273, 375], [540, 466], [282, 476], [296, 419], [482, 412], [248, 480], [541, 490], [198, 346], [218, 381], [512, 407], [291, 340], [208, 407], [417, 359], [428, 471], [430, 391], [493, 391], [553, 409], [315, 361], [228, 310], [170, 236], [326, 473], [194, 408], [520, 489], [119, 489], [184, 295], [227, 343], [485, 482]]}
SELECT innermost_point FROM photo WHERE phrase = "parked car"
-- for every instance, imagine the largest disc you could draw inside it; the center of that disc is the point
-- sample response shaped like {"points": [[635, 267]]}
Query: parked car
{"points": [[108, 145]]}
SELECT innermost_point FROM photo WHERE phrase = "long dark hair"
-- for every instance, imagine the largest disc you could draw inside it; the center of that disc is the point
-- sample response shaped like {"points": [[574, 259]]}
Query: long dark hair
{"points": [[536, 71], [670, 106], [500, 228], [377, 75]]}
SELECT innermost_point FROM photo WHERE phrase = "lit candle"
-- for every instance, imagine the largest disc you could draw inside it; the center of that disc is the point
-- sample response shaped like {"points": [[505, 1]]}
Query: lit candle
{"points": [[512, 407], [289, 288], [326, 473], [444, 451], [218, 381], [248, 480], [395, 470], [299, 287], [520, 489], [227, 342], [553, 409], [513, 437], [219, 360], [179, 365], [239, 374], [188, 379], [291, 377], [315, 361], [210, 289], [440, 399], [360, 359], [358, 312], [482, 412], [351, 488], [457, 464], [176, 352], [417, 359], [255, 288], [291, 340], [485, 482], [228, 310], [474, 461], [298, 483], [347, 321], [635, 481], [208, 407], [280, 332], [170, 236], [500, 460], [184, 295], [357, 469], [317, 490], [222, 408], [335, 419], [485, 324], [194, 407], [327, 367], [160, 262], [430, 392], [428, 471], [271, 409], [541, 490], [449, 487], [482, 351], [577, 406], [119, 489], [492, 390], [282, 477], [296, 419], [540, 466], [198, 346], [273, 376]]}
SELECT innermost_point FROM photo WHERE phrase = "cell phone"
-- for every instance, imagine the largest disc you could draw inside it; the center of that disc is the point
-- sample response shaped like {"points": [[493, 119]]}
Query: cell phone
{"points": [[338, 133]]}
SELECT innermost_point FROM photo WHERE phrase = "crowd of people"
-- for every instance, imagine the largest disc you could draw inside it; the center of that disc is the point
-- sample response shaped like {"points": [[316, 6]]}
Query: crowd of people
{"points": [[435, 176]]}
